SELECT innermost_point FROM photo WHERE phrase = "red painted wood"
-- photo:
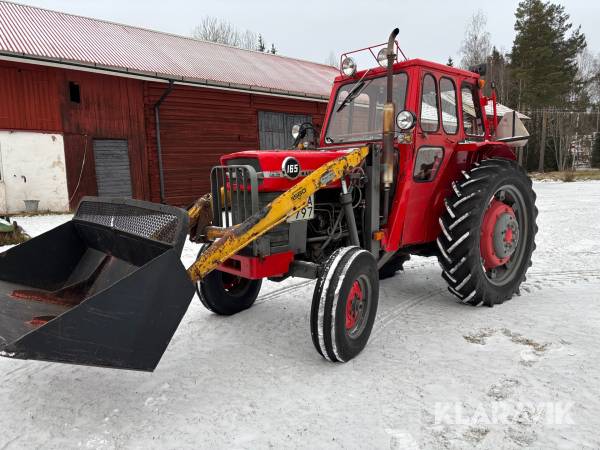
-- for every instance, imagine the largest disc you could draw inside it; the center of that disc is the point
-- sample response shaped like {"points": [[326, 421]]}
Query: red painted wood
{"points": [[198, 126], [36, 98], [28, 99]]}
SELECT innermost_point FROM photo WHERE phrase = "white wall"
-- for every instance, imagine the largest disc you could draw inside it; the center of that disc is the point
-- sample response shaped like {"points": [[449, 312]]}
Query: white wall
{"points": [[32, 167]]}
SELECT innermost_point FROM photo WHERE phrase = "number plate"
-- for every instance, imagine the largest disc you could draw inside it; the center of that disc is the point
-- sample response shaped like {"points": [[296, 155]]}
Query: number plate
{"points": [[306, 213]]}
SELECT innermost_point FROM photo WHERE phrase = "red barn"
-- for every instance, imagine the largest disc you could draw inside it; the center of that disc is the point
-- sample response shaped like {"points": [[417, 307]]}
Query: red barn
{"points": [[82, 100]]}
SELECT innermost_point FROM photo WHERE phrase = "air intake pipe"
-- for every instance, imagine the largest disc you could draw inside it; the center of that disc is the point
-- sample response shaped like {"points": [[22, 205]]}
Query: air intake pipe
{"points": [[389, 129]]}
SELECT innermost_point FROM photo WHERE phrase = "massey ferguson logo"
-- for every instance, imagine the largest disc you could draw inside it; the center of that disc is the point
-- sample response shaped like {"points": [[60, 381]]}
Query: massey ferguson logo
{"points": [[291, 168]]}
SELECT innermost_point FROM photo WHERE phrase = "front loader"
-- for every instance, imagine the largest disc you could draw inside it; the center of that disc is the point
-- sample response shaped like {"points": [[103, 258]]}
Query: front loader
{"points": [[407, 163]]}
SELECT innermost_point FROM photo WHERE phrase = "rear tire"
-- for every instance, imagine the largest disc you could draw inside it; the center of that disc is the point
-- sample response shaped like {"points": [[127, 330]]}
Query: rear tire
{"points": [[226, 294], [488, 233], [344, 304]]}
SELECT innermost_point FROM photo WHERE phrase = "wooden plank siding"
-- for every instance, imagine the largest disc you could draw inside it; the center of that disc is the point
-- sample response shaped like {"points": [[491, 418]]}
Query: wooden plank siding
{"points": [[27, 98], [36, 98], [198, 125], [111, 108]]}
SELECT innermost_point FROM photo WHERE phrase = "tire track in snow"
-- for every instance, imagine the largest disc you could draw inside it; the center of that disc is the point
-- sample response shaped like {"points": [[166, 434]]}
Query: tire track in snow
{"points": [[281, 291], [384, 320]]}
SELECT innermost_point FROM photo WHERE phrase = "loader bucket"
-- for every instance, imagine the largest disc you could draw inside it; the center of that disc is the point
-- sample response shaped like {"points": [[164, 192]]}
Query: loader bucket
{"points": [[105, 289]]}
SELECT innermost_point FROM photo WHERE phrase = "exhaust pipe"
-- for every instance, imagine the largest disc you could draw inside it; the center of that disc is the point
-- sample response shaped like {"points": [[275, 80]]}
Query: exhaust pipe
{"points": [[387, 169]]}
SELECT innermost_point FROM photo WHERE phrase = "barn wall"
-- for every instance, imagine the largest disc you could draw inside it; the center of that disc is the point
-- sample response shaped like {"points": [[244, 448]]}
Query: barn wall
{"points": [[111, 108], [198, 125], [32, 167], [36, 98], [28, 99]]}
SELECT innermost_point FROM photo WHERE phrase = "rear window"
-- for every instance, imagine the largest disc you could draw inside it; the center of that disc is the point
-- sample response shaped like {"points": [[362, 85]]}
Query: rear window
{"points": [[472, 119]]}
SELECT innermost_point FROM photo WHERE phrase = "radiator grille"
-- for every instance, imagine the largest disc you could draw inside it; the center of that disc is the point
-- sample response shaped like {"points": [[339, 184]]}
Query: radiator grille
{"points": [[235, 194]]}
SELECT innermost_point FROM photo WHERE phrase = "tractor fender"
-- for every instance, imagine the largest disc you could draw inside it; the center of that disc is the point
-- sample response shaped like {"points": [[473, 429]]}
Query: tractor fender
{"points": [[490, 149], [497, 150]]}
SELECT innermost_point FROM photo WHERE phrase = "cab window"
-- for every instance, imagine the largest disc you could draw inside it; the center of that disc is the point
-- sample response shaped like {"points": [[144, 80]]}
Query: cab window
{"points": [[358, 109], [449, 105], [430, 116], [471, 110]]}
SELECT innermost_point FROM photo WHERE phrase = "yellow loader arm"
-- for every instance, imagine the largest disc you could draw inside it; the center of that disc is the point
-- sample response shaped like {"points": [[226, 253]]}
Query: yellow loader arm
{"points": [[236, 238]]}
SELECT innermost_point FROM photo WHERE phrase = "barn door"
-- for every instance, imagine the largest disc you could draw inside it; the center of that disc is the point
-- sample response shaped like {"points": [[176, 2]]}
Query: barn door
{"points": [[275, 129], [112, 167]]}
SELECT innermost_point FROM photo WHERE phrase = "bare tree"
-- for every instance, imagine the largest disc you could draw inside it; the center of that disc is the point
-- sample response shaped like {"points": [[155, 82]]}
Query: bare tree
{"points": [[476, 45], [588, 73], [563, 129], [222, 32], [248, 40], [331, 60]]}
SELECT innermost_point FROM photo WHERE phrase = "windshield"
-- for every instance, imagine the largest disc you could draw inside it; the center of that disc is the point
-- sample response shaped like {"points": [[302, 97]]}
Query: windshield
{"points": [[361, 117]]}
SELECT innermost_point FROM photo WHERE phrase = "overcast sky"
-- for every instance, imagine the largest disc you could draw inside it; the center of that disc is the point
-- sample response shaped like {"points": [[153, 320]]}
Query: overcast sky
{"points": [[311, 29]]}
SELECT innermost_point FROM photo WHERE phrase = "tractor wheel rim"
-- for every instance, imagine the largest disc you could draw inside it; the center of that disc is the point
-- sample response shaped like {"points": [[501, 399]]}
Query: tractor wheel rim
{"points": [[234, 285], [503, 234], [357, 306], [499, 234]]}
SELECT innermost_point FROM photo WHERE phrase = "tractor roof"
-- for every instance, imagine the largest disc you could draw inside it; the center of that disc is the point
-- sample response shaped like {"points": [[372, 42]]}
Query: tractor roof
{"points": [[413, 63]]}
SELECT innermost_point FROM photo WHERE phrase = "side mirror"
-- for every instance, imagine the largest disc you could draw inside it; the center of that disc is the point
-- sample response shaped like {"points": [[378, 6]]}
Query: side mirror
{"points": [[406, 120]]}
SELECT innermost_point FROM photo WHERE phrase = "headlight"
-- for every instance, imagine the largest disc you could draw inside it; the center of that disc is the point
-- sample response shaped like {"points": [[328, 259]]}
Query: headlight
{"points": [[382, 57], [295, 131], [348, 67], [405, 120]]}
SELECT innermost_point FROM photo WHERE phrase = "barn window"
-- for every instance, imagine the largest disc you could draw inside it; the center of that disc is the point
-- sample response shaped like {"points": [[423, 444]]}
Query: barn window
{"points": [[74, 92], [275, 129]]}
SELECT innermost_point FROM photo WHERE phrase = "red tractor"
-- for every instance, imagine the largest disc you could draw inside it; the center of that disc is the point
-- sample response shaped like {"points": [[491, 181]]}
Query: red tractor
{"points": [[407, 163], [436, 183]]}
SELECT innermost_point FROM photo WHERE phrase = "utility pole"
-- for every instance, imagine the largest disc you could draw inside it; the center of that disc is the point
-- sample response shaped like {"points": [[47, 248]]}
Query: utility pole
{"points": [[543, 141]]}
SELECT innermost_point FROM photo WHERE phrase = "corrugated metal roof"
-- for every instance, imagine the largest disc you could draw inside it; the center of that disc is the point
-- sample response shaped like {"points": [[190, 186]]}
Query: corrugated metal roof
{"points": [[40, 33]]}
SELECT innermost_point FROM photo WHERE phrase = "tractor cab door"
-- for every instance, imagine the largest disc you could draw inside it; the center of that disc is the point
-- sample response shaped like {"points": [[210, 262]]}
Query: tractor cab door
{"points": [[435, 141]]}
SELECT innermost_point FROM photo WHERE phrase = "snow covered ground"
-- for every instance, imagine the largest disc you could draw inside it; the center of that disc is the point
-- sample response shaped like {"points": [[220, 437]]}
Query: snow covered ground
{"points": [[436, 374]]}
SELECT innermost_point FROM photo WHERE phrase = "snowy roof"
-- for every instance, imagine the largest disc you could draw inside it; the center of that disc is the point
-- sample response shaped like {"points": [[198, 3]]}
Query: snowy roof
{"points": [[27, 31]]}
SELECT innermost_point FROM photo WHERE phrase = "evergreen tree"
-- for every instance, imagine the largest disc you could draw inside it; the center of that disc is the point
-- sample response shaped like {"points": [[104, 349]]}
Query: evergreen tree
{"points": [[596, 152], [544, 54], [273, 49], [261, 44], [450, 62]]}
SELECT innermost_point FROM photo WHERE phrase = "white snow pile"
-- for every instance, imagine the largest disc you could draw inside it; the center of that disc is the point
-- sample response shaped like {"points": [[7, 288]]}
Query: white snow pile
{"points": [[436, 374]]}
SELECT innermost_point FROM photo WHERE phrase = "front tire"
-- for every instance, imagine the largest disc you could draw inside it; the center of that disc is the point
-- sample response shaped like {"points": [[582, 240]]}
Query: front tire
{"points": [[226, 294], [488, 233], [344, 304]]}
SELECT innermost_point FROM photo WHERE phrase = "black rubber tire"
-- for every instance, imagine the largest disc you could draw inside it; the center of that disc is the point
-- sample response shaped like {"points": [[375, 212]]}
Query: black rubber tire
{"points": [[459, 240], [216, 298], [389, 269], [328, 313]]}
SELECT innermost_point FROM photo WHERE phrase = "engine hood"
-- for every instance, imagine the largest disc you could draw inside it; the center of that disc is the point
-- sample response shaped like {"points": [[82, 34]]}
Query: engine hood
{"points": [[270, 165]]}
